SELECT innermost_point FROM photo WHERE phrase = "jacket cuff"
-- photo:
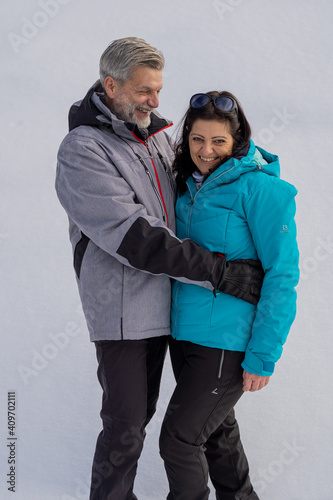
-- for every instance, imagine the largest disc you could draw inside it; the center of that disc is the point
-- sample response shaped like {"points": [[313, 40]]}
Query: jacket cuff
{"points": [[253, 364]]}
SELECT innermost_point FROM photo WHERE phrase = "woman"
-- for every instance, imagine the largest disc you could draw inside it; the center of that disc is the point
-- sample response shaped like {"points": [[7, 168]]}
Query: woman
{"points": [[230, 200]]}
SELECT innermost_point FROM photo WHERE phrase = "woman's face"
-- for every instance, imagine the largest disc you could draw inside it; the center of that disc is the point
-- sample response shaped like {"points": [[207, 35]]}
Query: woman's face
{"points": [[210, 142]]}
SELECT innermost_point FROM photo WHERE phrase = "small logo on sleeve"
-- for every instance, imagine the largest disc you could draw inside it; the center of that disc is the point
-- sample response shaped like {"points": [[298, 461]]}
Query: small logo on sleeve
{"points": [[285, 229]]}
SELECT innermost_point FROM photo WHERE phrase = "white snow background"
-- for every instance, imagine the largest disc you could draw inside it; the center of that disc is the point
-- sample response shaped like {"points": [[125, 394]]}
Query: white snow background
{"points": [[276, 56]]}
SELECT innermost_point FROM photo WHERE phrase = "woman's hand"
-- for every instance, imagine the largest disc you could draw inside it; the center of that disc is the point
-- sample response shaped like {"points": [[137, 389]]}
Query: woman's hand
{"points": [[252, 382]]}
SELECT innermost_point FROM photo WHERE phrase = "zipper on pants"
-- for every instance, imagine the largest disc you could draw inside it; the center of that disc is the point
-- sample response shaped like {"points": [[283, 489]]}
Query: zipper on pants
{"points": [[219, 373]]}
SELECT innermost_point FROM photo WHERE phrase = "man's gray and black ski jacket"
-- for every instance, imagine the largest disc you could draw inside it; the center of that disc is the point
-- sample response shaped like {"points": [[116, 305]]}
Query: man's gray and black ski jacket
{"points": [[118, 191]]}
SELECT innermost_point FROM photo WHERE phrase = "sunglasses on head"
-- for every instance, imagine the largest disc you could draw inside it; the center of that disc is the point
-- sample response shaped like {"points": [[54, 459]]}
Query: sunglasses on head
{"points": [[222, 102]]}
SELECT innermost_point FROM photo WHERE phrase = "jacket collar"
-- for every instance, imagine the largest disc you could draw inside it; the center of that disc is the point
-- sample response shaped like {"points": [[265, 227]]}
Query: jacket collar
{"points": [[93, 111], [255, 159]]}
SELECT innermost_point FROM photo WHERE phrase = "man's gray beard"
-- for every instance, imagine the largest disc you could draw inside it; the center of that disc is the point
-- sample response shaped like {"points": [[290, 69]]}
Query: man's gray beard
{"points": [[127, 113], [142, 124]]}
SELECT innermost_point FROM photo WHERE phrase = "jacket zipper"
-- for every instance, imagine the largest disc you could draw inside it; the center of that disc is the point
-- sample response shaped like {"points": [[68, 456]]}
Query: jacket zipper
{"points": [[193, 197], [159, 193], [153, 186], [190, 217], [167, 171]]}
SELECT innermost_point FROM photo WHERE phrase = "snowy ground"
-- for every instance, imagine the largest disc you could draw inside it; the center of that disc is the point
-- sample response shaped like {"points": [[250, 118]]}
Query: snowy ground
{"points": [[276, 57]]}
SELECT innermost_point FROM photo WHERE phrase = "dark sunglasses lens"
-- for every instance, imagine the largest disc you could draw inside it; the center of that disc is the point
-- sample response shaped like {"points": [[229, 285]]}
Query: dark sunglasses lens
{"points": [[224, 103], [199, 100]]}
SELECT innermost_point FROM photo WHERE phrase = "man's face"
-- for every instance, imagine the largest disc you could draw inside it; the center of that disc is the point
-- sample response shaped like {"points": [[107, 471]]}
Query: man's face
{"points": [[139, 95]]}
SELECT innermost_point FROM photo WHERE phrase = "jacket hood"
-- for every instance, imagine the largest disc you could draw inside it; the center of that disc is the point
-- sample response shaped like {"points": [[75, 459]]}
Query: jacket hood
{"points": [[85, 112], [94, 112], [255, 159]]}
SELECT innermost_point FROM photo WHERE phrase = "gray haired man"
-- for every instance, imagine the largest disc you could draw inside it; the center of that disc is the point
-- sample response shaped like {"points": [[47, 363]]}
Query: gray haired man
{"points": [[115, 182]]}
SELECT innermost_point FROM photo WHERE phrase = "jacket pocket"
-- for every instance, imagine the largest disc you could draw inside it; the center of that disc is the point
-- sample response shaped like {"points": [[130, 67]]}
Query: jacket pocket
{"points": [[80, 250]]}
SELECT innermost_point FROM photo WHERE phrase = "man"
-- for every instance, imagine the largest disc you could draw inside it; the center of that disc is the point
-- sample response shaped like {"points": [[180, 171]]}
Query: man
{"points": [[115, 183]]}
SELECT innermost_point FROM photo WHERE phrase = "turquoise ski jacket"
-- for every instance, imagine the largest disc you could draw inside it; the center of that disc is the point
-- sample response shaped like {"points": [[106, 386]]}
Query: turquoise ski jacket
{"points": [[245, 211]]}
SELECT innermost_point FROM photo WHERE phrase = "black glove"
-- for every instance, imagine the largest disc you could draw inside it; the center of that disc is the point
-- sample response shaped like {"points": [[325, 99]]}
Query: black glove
{"points": [[242, 278]]}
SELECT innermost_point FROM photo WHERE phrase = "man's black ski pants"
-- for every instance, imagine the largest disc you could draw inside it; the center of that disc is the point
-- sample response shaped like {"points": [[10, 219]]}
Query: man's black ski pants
{"points": [[129, 372]]}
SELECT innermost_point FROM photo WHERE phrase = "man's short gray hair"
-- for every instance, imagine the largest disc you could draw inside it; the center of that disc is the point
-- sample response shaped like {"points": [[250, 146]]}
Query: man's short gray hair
{"points": [[122, 56]]}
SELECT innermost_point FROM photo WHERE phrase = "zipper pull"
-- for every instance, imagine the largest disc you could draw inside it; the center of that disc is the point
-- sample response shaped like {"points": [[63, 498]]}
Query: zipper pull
{"points": [[142, 163], [162, 161], [146, 144]]}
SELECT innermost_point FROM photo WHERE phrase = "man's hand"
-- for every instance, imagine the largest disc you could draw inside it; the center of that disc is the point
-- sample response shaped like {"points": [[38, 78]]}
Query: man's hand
{"points": [[252, 382], [242, 278]]}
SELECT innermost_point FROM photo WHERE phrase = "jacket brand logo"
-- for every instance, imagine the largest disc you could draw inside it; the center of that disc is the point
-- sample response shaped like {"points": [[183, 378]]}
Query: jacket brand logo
{"points": [[284, 229]]}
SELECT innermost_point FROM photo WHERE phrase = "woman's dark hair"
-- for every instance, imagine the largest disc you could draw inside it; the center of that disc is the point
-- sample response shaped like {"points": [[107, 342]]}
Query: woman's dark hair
{"points": [[239, 128]]}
